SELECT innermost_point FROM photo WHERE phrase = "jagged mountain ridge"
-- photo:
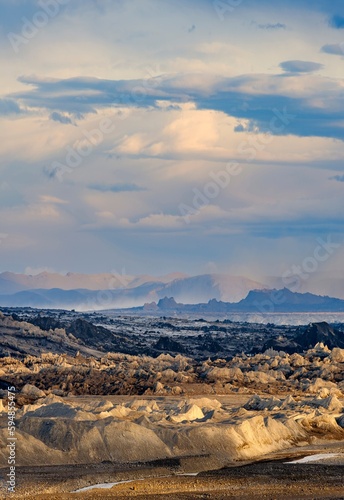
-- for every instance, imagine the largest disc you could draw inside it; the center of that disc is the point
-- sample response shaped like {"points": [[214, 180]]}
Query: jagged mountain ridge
{"points": [[261, 301], [209, 292]]}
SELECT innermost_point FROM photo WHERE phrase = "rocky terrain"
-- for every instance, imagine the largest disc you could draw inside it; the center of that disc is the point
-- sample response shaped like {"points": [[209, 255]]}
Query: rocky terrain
{"points": [[169, 435], [69, 355], [32, 332], [317, 370], [163, 406]]}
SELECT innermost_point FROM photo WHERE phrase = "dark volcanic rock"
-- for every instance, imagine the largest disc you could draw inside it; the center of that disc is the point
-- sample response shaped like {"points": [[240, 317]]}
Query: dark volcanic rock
{"points": [[279, 344], [46, 323], [306, 338], [166, 344], [320, 332], [211, 345], [90, 334]]}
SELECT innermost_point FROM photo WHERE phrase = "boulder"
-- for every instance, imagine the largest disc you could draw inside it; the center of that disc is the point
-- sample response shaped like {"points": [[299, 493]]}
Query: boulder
{"points": [[337, 355], [33, 392]]}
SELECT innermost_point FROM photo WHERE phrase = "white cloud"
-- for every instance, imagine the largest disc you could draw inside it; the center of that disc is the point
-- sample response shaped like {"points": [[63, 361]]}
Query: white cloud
{"points": [[52, 199]]}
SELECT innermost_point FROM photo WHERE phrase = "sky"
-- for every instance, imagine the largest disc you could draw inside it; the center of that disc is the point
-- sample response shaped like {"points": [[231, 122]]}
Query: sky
{"points": [[152, 136]]}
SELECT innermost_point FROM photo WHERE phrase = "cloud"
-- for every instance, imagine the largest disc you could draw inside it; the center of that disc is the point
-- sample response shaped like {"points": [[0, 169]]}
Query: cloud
{"points": [[239, 128], [166, 222], [176, 83], [337, 21], [9, 107], [321, 5], [336, 49], [271, 27], [51, 172], [116, 188], [339, 178], [300, 66], [316, 101], [52, 199], [58, 117]]}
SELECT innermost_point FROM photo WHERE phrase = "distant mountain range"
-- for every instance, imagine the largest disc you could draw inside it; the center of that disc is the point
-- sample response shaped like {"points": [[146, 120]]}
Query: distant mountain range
{"points": [[13, 282], [208, 293], [261, 301], [101, 291]]}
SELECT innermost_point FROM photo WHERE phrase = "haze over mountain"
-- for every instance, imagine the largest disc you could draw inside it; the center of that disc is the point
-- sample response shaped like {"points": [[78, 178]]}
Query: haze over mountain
{"points": [[15, 282], [104, 290], [209, 293], [320, 283], [110, 290]]}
